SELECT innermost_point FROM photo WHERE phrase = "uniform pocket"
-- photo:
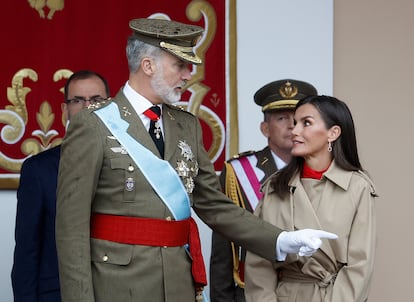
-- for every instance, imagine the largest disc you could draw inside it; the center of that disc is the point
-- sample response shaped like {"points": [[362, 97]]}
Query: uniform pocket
{"points": [[103, 251], [127, 170]]}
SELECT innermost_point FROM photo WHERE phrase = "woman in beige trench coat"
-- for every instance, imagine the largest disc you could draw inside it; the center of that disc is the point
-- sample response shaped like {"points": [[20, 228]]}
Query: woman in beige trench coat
{"points": [[323, 187]]}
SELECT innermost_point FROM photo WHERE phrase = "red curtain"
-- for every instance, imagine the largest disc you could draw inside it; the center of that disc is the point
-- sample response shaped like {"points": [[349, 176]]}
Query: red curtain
{"points": [[44, 41]]}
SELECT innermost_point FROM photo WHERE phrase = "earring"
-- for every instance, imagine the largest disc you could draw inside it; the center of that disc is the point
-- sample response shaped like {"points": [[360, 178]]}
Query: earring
{"points": [[329, 146]]}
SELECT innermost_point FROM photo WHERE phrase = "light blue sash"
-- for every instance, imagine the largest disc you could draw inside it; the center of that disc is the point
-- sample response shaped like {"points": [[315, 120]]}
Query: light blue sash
{"points": [[159, 173]]}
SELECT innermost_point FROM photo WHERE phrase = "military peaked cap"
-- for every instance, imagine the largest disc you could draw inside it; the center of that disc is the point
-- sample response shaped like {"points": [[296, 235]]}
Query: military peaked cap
{"points": [[283, 94], [174, 37]]}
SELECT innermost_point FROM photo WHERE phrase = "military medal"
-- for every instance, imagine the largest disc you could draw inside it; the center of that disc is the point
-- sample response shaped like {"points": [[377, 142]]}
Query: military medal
{"points": [[129, 184], [157, 130], [185, 150], [187, 168], [182, 169]]}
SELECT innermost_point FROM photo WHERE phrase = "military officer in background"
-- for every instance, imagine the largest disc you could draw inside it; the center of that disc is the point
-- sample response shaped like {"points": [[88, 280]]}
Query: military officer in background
{"points": [[130, 171], [243, 175]]}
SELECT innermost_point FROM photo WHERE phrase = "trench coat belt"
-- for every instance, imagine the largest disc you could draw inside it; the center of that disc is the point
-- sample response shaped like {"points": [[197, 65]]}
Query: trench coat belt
{"points": [[291, 276], [153, 232], [140, 231]]}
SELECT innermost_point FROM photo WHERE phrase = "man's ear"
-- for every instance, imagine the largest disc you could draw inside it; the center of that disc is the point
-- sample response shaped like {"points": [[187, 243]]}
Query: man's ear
{"points": [[148, 66], [264, 127], [65, 113]]}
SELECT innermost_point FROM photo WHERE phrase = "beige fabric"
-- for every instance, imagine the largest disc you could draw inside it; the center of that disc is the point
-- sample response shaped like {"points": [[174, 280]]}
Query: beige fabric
{"points": [[345, 206]]}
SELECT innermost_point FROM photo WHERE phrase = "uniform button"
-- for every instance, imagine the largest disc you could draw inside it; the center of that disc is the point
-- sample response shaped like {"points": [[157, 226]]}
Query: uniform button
{"points": [[131, 168], [105, 258], [168, 218]]}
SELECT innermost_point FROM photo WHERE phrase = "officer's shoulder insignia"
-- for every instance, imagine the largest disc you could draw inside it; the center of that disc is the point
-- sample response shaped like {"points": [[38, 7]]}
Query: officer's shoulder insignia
{"points": [[242, 154], [100, 104], [178, 108], [174, 107]]}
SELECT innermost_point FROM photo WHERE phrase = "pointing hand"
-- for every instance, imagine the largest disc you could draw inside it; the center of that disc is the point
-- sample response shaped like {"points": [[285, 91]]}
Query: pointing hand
{"points": [[303, 242]]}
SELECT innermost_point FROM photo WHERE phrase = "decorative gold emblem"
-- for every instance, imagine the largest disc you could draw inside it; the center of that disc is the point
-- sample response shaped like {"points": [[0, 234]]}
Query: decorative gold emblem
{"points": [[15, 119], [170, 115], [52, 5], [187, 169], [288, 91]]}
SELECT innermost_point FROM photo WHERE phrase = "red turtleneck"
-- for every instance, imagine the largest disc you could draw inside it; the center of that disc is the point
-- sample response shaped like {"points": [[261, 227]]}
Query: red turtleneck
{"points": [[308, 172]]}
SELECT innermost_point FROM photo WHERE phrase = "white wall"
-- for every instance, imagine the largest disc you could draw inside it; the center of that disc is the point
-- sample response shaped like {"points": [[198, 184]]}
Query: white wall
{"points": [[7, 221], [280, 39], [276, 39]]}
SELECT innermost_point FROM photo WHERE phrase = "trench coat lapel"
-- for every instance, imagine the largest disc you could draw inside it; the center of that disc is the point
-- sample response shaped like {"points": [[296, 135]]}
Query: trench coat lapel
{"points": [[136, 129], [305, 215]]}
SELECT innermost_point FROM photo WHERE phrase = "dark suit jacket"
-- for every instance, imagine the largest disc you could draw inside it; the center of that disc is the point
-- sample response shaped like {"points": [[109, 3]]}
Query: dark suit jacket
{"points": [[222, 285], [94, 176], [35, 274]]}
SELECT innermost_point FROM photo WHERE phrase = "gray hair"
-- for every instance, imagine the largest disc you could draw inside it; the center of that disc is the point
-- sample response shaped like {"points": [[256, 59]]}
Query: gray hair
{"points": [[136, 50]]}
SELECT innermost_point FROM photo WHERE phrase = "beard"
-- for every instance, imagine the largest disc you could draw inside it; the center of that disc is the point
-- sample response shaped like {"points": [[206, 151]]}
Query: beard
{"points": [[167, 93]]}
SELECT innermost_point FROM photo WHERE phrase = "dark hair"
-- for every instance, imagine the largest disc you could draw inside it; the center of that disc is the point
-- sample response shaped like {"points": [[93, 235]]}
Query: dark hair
{"points": [[344, 149], [82, 75]]}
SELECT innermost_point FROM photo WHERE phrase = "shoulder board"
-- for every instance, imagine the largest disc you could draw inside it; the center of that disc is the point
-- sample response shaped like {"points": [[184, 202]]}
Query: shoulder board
{"points": [[178, 108], [242, 154], [100, 104], [368, 179]]}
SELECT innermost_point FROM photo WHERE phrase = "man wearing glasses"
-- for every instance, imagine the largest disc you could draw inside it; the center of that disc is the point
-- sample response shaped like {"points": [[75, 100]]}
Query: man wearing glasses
{"points": [[35, 269]]}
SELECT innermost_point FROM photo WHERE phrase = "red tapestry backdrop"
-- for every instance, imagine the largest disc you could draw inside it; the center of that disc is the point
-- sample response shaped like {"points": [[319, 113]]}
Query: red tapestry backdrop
{"points": [[45, 41]]}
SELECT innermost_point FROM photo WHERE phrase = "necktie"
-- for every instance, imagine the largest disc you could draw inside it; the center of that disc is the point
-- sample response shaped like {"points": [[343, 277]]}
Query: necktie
{"points": [[154, 114]]}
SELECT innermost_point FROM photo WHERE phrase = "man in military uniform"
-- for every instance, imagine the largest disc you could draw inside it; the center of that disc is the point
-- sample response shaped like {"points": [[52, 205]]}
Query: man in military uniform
{"points": [[131, 169], [243, 175]]}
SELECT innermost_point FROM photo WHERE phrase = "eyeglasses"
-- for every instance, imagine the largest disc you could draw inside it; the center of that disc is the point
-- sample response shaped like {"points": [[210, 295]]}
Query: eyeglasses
{"points": [[81, 100]]}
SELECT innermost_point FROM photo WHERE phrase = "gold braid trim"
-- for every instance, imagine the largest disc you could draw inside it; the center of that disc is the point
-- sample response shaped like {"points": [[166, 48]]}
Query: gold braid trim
{"points": [[232, 190]]}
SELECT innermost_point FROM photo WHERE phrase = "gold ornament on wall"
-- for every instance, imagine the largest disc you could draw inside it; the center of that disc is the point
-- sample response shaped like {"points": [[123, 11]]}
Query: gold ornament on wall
{"points": [[15, 119], [41, 7]]}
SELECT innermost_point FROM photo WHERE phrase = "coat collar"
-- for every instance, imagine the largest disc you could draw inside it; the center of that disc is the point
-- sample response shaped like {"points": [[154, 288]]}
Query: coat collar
{"points": [[173, 126], [305, 216], [335, 174], [136, 128]]}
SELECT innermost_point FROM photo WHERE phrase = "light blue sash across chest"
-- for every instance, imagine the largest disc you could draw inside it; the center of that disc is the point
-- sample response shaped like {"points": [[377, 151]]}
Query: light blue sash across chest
{"points": [[158, 172]]}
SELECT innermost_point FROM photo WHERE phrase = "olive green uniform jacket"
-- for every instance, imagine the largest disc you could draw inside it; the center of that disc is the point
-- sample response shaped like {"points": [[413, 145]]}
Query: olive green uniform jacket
{"points": [[92, 178], [342, 202]]}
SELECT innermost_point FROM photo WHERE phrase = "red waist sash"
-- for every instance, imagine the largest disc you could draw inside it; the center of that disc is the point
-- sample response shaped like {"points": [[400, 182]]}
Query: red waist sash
{"points": [[141, 231], [152, 232]]}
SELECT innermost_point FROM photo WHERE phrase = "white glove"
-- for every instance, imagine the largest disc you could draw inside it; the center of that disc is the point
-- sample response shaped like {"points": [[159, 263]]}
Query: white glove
{"points": [[303, 242]]}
